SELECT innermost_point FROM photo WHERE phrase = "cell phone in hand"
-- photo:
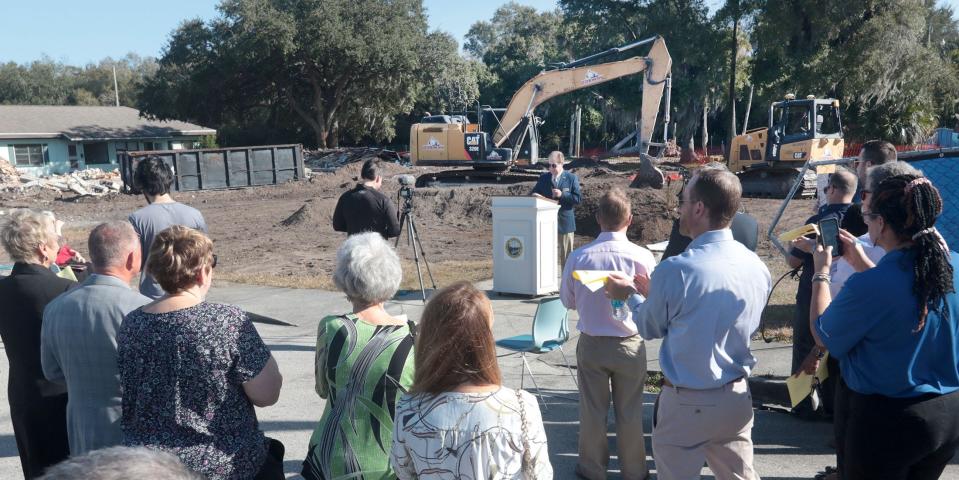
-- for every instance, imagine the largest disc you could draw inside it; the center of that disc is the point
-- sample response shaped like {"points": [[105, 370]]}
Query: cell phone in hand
{"points": [[829, 235]]}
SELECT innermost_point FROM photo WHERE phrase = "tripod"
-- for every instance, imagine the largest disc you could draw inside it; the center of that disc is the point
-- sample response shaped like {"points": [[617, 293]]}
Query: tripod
{"points": [[413, 239]]}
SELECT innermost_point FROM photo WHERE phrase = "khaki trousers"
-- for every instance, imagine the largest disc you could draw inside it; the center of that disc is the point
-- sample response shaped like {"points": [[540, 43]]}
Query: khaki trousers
{"points": [[605, 365], [714, 425], [565, 247]]}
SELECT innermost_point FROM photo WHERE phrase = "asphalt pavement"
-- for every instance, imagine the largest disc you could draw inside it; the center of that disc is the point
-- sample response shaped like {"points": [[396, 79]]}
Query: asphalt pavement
{"points": [[785, 448]]}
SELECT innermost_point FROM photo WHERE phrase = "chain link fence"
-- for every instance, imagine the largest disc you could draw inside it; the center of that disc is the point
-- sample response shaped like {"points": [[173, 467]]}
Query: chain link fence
{"points": [[944, 174]]}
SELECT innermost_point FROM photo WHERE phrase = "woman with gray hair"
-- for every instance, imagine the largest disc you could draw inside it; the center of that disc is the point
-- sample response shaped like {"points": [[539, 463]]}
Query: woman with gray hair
{"points": [[121, 463], [37, 407], [364, 362]]}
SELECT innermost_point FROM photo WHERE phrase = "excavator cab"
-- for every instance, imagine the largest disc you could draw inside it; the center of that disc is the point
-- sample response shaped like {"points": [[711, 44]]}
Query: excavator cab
{"points": [[768, 159], [796, 122]]}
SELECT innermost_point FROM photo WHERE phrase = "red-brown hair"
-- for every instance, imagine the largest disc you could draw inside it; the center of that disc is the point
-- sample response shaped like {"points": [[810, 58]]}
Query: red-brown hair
{"points": [[454, 341]]}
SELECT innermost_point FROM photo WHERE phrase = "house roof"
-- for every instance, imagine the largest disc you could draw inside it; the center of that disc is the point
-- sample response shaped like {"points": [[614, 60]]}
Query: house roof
{"points": [[78, 123]]}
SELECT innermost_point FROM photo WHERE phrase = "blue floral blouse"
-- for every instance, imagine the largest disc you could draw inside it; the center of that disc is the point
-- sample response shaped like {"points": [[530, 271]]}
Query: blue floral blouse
{"points": [[182, 376]]}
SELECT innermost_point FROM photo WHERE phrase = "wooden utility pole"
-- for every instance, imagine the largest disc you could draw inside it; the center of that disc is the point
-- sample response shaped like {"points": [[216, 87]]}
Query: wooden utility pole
{"points": [[749, 106], [579, 125], [116, 90], [705, 137], [733, 53]]}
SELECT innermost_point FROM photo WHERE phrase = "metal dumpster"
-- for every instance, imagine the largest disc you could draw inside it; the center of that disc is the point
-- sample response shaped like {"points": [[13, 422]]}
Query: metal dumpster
{"points": [[217, 168]]}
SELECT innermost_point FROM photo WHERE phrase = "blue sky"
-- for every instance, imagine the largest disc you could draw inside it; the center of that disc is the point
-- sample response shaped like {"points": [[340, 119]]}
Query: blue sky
{"points": [[81, 31]]}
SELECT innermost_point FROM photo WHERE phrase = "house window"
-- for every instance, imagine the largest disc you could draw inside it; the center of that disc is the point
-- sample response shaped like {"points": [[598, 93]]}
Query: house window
{"points": [[72, 155], [127, 146], [148, 146], [29, 155]]}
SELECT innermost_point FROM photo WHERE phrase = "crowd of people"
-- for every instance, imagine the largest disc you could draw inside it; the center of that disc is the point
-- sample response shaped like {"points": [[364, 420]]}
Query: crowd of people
{"points": [[110, 382]]}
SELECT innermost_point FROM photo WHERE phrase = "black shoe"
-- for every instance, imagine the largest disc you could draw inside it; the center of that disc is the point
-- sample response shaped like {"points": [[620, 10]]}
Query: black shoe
{"points": [[826, 473]]}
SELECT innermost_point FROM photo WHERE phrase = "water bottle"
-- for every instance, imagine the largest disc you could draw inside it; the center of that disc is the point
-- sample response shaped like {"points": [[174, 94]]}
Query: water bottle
{"points": [[620, 310]]}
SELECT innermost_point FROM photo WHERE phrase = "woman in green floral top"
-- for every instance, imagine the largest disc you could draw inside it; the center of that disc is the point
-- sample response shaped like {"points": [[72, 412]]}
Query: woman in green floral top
{"points": [[364, 362]]}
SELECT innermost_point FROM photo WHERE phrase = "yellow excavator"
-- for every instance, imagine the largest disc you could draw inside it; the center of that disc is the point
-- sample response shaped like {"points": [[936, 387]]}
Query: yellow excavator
{"points": [[768, 159], [452, 140]]}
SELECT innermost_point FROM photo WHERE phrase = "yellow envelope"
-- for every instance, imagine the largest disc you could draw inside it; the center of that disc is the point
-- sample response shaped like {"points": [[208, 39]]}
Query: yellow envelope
{"points": [[795, 233], [800, 387], [592, 279], [67, 273]]}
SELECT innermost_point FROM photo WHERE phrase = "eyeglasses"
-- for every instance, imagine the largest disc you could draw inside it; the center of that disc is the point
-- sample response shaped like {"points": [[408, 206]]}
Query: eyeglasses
{"points": [[555, 165], [870, 215], [826, 188], [213, 265]]}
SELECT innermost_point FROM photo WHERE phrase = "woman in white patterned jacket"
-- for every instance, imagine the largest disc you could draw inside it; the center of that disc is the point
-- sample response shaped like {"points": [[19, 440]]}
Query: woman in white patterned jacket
{"points": [[459, 421]]}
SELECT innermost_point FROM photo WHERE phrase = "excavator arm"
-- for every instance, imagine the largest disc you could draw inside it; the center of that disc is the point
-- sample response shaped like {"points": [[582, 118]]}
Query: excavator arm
{"points": [[574, 76]]}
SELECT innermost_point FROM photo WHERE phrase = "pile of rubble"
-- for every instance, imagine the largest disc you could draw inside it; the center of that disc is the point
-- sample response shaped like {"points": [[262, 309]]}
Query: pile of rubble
{"points": [[9, 177], [330, 160], [90, 182]]}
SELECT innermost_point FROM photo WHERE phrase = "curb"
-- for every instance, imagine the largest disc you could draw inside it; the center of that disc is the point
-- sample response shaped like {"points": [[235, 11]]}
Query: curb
{"points": [[769, 390]]}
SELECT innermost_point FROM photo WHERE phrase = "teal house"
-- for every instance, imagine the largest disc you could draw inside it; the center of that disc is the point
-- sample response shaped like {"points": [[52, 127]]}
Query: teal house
{"points": [[42, 140]]}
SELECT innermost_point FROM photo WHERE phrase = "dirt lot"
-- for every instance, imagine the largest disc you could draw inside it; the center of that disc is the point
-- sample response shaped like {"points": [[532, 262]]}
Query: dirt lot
{"points": [[281, 235]]}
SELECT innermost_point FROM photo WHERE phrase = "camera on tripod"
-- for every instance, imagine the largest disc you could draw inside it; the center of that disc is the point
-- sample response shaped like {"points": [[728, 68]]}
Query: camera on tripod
{"points": [[407, 183]]}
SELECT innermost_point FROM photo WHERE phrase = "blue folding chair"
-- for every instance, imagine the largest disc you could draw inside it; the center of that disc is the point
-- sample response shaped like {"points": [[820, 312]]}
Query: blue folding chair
{"points": [[550, 332]]}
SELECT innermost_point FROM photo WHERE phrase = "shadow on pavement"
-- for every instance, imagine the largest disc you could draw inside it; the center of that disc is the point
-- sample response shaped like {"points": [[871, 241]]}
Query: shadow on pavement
{"points": [[8, 446], [280, 425], [284, 347]]}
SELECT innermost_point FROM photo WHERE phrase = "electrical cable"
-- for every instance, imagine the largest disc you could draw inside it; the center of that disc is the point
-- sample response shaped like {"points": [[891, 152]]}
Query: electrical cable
{"points": [[762, 319]]}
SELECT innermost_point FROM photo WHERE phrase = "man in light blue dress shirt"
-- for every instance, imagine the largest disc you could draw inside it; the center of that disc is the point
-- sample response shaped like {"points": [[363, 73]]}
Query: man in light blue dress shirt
{"points": [[705, 304], [78, 344]]}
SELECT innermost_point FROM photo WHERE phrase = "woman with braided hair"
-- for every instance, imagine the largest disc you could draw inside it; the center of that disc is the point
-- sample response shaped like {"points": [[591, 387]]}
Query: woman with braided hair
{"points": [[895, 330]]}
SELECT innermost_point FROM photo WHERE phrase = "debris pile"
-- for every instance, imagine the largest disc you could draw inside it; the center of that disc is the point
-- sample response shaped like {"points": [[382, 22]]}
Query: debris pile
{"points": [[90, 182], [9, 178], [330, 160]]}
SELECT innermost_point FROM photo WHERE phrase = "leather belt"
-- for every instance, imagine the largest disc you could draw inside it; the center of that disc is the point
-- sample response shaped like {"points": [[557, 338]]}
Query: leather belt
{"points": [[667, 383]]}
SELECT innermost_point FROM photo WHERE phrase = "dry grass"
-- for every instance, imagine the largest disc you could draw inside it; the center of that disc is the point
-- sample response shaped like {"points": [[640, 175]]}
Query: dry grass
{"points": [[654, 382], [778, 316], [275, 280], [444, 273]]}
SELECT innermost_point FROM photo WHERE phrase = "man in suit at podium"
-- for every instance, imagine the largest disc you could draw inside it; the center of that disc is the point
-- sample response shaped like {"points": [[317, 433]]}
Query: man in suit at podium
{"points": [[563, 187]]}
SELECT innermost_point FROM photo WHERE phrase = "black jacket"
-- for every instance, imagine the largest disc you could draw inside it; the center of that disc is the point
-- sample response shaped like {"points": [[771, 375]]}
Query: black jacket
{"points": [[37, 407], [366, 210], [744, 227]]}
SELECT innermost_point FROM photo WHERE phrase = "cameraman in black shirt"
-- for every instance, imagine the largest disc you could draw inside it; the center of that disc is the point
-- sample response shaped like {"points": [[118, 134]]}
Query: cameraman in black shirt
{"points": [[365, 208]]}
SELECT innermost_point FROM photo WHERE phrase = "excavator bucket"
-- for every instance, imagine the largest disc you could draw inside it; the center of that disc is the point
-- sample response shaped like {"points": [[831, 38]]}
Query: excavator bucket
{"points": [[648, 175]]}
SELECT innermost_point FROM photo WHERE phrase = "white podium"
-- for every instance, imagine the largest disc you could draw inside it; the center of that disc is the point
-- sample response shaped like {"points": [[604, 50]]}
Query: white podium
{"points": [[525, 257]]}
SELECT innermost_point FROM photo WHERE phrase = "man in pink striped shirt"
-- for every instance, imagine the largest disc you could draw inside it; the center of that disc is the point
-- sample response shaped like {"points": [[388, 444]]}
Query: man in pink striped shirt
{"points": [[610, 353]]}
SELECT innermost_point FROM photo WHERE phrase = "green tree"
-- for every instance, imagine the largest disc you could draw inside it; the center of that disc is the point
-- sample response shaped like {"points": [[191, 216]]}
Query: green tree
{"points": [[878, 57], [515, 45], [341, 67], [694, 42], [455, 86], [46, 82]]}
